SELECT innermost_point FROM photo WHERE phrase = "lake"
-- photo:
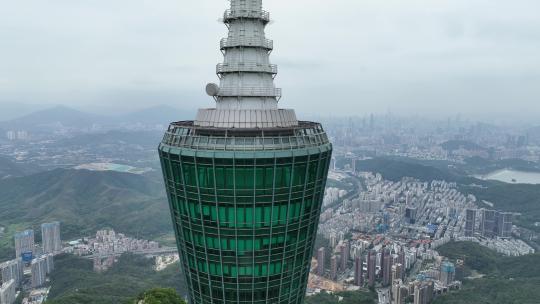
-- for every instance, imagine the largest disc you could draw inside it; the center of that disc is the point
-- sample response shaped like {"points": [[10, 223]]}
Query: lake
{"points": [[514, 177]]}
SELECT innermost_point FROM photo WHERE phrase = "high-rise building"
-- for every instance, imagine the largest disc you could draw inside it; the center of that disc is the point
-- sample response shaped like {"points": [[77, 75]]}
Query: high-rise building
{"points": [[333, 241], [400, 292], [371, 267], [24, 242], [50, 234], [7, 292], [402, 261], [504, 224], [320, 261], [12, 270], [488, 223], [11, 135], [245, 180], [470, 222], [386, 267], [49, 262], [496, 223], [460, 269], [358, 271], [397, 272], [448, 273], [345, 251], [40, 268], [410, 215], [423, 293], [333, 267]]}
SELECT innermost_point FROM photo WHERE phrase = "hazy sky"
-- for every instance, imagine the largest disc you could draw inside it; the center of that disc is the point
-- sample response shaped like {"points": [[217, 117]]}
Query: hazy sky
{"points": [[335, 57]]}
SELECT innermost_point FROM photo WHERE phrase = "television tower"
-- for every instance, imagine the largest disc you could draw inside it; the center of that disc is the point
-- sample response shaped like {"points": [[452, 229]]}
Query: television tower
{"points": [[245, 180]]}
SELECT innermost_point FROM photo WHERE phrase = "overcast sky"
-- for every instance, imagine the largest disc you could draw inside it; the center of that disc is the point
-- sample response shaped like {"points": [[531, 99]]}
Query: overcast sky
{"points": [[335, 57]]}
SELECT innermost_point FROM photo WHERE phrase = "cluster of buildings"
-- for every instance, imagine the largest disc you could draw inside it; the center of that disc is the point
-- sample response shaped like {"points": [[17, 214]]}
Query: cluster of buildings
{"points": [[17, 135], [11, 274], [108, 242], [332, 195], [492, 223], [40, 268], [107, 246], [386, 264], [164, 261], [386, 237], [391, 135], [32, 262], [8, 292]]}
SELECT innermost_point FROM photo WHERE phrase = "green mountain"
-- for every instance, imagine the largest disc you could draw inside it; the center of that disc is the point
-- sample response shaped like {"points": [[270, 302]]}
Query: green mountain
{"points": [[75, 282], [521, 198], [159, 296], [502, 280], [85, 201], [52, 118], [396, 168], [9, 168], [346, 297]]}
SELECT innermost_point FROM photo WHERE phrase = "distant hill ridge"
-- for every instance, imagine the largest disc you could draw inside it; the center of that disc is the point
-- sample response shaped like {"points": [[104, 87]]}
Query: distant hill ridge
{"points": [[84, 201], [53, 116], [69, 117]]}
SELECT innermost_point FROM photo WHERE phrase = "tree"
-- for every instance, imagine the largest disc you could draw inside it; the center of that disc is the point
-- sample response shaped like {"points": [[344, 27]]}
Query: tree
{"points": [[159, 296]]}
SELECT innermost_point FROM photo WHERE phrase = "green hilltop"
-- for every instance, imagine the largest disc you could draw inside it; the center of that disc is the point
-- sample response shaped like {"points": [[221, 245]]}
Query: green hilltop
{"points": [[498, 279], [83, 201]]}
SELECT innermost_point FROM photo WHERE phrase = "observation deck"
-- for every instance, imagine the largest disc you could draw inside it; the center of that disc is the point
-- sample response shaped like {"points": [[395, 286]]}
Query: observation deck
{"points": [[231, 15], [185, 134], [246, 67], [250, 92], [246, 42]]}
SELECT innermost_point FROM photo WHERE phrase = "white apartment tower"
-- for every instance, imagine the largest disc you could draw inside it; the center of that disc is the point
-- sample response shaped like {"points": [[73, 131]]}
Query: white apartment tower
{"points": [[7, 292], [24, 242], [50, 233]]}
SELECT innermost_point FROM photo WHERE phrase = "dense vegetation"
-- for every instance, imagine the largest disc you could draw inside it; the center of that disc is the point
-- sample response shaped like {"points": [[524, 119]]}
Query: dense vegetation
{"points": [[521, 198], [507, 280], [83, 201], [158, 296], [478, 165], [349, 297], [74, 281], [9, 168], [395, 169]]}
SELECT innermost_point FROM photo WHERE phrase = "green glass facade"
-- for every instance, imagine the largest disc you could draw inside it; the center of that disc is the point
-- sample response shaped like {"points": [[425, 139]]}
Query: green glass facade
{"points": [[245, 208]]}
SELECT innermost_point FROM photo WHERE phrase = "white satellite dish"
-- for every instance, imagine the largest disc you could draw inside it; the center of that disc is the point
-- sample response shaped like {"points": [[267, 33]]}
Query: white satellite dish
{"points": [[212, 89]]}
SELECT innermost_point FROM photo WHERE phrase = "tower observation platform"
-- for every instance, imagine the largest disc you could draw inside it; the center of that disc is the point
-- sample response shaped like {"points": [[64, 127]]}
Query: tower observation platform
{"points": [[245, 180]]}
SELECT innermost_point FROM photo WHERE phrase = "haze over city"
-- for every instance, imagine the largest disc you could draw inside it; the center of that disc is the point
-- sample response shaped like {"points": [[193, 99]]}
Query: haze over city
{"points": [[270, 152], [474, 57]]}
